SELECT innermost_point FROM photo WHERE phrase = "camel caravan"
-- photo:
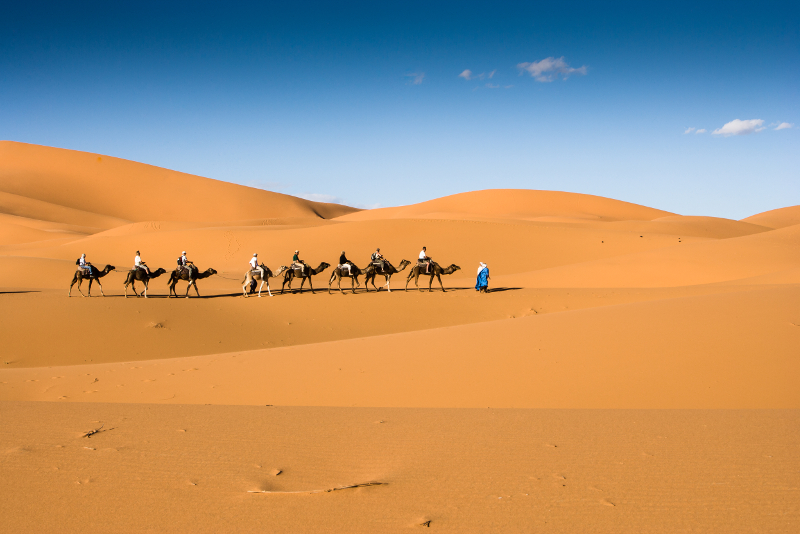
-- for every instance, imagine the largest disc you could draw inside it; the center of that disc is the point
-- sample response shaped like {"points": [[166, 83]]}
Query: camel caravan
{"points": [[258, 275]]}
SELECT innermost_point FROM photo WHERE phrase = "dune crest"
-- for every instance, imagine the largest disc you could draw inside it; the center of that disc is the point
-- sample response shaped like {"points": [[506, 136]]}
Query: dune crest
{"points": [[779, 218], [116, 188]]}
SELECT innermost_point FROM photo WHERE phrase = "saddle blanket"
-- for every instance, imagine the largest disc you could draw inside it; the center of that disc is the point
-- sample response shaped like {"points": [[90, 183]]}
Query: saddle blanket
{"points": [[345, 267]]}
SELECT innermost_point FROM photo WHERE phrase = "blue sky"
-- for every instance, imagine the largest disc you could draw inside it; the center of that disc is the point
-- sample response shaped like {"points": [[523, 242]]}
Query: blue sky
{"points": [[369, 104]]}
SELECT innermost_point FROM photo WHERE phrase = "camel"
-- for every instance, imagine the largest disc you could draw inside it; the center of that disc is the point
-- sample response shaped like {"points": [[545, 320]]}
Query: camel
{"points": [[95, 275], [435, 270], [180, 274], [338, 273], [255, 276], [388, 271], [140, 275], [308, 273]]}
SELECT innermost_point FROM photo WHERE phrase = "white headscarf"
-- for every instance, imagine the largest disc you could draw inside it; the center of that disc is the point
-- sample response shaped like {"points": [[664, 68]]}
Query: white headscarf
{"points": [[482, 267]]}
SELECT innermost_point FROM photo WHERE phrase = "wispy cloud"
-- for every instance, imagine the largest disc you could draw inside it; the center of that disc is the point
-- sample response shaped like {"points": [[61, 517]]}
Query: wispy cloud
{"points": [[322, 197], [332, 199], [701, 130], [784, 126], [469, 75], [740, 127], [492, 86], [550, 68], [688, 130], [416, 77]]}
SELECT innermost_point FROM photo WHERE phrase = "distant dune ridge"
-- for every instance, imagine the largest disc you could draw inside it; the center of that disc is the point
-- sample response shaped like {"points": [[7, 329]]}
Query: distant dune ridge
{"points": [[596, 303], [130, 191]]}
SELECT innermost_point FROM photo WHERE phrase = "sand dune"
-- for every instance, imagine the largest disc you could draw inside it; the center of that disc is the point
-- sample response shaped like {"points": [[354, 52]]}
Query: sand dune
{"points": [[779, 218], [520, 204], [133, 191], [596, 304]]}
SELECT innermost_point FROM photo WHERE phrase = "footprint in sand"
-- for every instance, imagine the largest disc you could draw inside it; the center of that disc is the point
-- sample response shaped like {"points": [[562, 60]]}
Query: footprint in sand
{"points": [[606, 502], [31, 380], [149, 380]]}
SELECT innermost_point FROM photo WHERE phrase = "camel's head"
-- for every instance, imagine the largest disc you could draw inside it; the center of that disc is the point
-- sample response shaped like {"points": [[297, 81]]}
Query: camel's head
{"points": [[211, 271], [282, 270], [403, 263], [158, 271], [323, 266], [453, 267], [109, 268]]}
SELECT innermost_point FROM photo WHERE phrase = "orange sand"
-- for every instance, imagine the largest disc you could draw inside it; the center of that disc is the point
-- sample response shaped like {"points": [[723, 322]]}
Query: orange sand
{"points": [[597, 304]]}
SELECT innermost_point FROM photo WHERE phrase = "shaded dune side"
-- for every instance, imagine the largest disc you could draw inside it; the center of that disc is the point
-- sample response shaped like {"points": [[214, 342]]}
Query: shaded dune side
{"points": [[779, 218], [731, 350], [130, 191], [518, 204], [683, 264]]}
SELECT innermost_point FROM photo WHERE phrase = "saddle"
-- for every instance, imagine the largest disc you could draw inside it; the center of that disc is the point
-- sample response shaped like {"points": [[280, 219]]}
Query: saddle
{"points": [[345, 266], [86, 272]]}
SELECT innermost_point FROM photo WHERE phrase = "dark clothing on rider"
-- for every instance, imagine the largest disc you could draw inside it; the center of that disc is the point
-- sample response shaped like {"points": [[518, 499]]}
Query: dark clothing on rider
{"points": [[343, 259]]}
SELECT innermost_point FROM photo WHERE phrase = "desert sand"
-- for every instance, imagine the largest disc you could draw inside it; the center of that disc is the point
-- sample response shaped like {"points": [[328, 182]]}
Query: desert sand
{"points": [[631, 369]]}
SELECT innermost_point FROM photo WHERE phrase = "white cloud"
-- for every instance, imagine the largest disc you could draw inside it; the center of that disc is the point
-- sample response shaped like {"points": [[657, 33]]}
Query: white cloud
{"points": [[417, 77], [492, 86], [467, 74], [491, 74], [739, 127], [688, 130], [784, 126], [321, 197], [701, 130], [548, 69]]}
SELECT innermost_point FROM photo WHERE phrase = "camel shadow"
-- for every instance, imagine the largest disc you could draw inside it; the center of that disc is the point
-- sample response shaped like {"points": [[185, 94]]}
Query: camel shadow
{"points": [[15, 292], [500, 289]]}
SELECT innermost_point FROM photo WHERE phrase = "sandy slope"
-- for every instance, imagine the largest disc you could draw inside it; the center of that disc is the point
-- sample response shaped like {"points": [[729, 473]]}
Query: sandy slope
{"points": [[597, 304], [779, 218], [137, 192], [189, 468]]}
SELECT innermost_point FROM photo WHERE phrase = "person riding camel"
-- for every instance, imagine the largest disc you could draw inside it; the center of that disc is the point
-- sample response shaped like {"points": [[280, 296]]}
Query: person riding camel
{"points": [[344, 262], [84, 265], [254, 266], [298, 263], [423, 258], [139, 264], [184, 263], [377, 259]]}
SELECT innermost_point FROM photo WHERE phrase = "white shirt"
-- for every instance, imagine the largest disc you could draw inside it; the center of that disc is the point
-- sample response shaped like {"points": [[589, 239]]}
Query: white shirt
{"points": [[422, 255], [254, 263], [83, 262], [137, 261], [183, 260]]}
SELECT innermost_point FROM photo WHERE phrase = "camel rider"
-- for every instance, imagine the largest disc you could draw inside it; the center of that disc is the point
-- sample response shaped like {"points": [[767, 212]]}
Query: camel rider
{"points": [[377, 259], [139, 264], [423, 258], [344, 262], [184, 263], [254, 266], [297, 262], [84, 266]]}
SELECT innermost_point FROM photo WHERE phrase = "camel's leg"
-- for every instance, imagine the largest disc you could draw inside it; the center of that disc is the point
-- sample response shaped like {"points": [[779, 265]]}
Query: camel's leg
{"points": [[146, 283], [74, 279], [268, 291], [416, 281], [353, 285], [89, 292], [261, 286], [388, 279], [309, 285], [101, 287], [409, 278], [195, 289], [187, 289], [439, 277]]}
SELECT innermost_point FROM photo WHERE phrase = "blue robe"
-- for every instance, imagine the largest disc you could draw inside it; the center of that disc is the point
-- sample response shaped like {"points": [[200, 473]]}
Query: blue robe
{"points": [[483, 280]]}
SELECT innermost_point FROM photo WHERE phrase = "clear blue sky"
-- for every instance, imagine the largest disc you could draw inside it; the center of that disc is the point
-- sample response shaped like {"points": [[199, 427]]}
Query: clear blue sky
{"points": [[368, 103]]}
